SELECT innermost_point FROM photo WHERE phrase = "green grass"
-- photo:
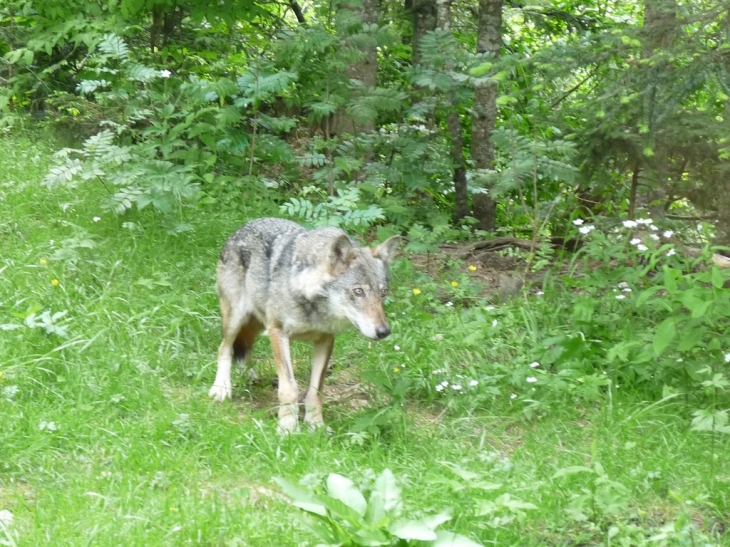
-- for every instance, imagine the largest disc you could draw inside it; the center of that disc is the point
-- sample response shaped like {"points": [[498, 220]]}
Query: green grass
{"points": [[107, 436]]}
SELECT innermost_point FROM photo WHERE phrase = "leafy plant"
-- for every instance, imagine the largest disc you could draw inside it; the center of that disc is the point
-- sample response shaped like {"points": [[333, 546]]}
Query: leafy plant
{"points": [[338, 514]]}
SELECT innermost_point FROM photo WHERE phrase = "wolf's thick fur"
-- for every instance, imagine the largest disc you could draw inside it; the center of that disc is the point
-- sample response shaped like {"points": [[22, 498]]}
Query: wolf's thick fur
{"points": [[298, 285]]}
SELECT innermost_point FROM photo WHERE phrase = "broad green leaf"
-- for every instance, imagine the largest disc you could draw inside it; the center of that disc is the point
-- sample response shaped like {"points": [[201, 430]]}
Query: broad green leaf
{"points": [[434, 521], [690, 337], [701, 309], [480, 70], [317, 528], [717, 281], [343, 489], [412, 530], [665, 333], [370, 538], [503, 100], [388, 490], [341, 510], [514, 504], [648, 293], [670, 281], [449, 539], [301, 498], [709, 420]]}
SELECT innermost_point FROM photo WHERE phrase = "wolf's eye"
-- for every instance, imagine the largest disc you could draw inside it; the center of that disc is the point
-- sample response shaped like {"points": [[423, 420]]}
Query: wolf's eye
{"points": [[358, 291]]}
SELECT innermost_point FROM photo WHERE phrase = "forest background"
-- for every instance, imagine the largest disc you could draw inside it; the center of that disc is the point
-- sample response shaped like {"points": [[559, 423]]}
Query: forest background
{"points": [[558, 369]]}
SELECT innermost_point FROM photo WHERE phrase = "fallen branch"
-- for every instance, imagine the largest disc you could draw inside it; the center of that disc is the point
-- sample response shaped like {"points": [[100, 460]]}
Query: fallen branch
{"points": [[499, 243], [718, 260]]}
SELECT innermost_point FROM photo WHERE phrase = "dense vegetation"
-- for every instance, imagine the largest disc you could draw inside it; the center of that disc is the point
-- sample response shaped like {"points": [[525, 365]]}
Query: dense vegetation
{"points": [[566, 386]]}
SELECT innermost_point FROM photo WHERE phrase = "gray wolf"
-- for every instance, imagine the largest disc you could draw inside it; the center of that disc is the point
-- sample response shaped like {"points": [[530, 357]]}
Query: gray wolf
{"points": [[297, 284]]}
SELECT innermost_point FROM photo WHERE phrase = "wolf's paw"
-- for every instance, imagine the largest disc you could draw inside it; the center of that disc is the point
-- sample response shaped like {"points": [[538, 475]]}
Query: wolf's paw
{"points": [[287, 424], [314, 420], [220, 392]]}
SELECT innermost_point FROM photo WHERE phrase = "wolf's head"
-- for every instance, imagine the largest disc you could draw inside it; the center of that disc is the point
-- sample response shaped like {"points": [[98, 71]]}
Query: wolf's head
{"points": [[359, 283]]}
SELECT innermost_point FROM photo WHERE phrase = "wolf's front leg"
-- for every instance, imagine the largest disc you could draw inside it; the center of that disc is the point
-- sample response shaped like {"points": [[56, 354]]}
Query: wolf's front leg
{"points": [[313, 399], [288, 390]]}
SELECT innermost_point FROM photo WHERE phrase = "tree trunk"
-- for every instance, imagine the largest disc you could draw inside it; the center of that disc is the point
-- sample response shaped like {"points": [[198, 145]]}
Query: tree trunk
{"points": [[424, 20], [364, 71], [489, 41], [658, 33], [453, 124], [722, 226]]}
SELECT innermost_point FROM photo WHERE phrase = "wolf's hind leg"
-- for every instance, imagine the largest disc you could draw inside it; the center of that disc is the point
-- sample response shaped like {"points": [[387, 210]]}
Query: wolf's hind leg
{"points": [[243, 345], [239, 334], [313, 398]]}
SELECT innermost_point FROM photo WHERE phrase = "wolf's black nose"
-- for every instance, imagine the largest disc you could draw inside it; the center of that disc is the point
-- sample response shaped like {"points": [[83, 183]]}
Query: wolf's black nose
{"points": [[382, 332]]}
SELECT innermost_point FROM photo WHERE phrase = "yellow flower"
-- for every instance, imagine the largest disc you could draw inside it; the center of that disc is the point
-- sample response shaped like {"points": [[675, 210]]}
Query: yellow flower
{"points": [[472, 268], [173, 508], [454, 283], [55, 282], [43, 262], [396, 369], [416, 291]]}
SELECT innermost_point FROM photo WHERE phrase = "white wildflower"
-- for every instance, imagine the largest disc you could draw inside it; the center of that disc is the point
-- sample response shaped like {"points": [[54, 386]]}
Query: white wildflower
{"points": [[671, 252], [623, 285], [47, 426], [445, 383], [513, 396], [668, 233], [629, 224], [534, 364], [97, 219], [727, 357], [539, 293], [165, 73], [439, 387], [473, 383], [578, 221], [10, 391], [456, 387], [586, 229], [620, 296], [494, 323], [626, 289], [396, 348], [635, 241], [437, 371], [654, 237], [489, 308], [653, 227], [449, 304], [531, 380], [644, 221], [642, 247]]}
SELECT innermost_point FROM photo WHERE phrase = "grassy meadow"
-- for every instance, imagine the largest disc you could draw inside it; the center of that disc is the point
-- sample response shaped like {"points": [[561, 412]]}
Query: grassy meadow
{"points": [[108, 336]]}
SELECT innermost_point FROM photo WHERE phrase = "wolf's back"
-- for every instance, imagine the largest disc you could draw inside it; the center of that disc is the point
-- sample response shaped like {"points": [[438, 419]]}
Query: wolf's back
{"points": [[256, 242]]}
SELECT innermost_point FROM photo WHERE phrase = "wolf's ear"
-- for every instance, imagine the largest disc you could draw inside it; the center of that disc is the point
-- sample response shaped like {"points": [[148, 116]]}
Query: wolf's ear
{"points": [[340, 255], [387, 249]]}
